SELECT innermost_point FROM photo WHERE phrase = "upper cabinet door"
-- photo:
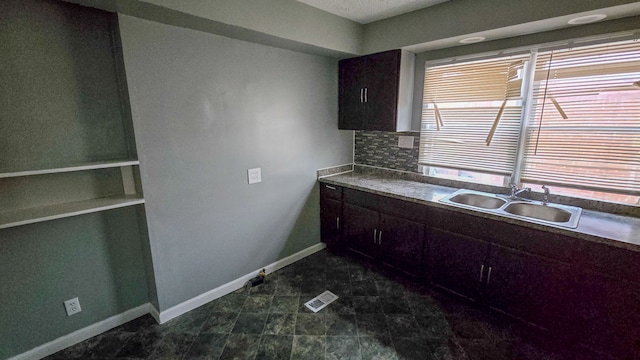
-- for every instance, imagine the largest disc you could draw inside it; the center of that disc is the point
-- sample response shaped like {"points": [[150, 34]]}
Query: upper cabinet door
{"points": [[351, 94], [376, 92], [381, 90]]}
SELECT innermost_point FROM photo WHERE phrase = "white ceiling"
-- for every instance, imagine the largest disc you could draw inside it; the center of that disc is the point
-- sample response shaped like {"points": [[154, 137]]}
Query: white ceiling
{"points": [[366, 11]]}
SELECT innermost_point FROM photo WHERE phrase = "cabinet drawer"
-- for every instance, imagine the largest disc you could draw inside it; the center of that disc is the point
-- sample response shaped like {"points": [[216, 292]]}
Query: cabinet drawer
{"points": [[330, 191], [538, 242], [457, 223], [361, 198], [509, 235], [404, 209]]}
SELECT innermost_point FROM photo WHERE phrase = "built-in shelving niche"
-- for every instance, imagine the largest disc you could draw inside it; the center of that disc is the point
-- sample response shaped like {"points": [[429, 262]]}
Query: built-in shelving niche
{"points": [[71, 200], [48, 194], [67, 146]]}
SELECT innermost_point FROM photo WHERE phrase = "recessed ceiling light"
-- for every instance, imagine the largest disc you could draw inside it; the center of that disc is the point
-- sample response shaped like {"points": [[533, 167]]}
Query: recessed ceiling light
{"points": [[587, 19], [472, 40]]}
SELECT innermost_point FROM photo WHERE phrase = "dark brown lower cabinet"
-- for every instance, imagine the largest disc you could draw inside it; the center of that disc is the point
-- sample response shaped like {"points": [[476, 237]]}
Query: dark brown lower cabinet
{"points": [[581, 290], [401, 244], [606, 312], [330, 217], [528, 286], [524, 285], [393, 242], [360, 231], [457, 262]]}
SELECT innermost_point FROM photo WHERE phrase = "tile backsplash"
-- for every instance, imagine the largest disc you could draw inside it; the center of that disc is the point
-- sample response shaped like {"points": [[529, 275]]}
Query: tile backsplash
{"points": [[380, 149]]}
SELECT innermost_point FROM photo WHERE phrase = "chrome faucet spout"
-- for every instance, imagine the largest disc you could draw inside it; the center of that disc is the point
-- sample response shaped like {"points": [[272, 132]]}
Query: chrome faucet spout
{"points": [[516, 192]]}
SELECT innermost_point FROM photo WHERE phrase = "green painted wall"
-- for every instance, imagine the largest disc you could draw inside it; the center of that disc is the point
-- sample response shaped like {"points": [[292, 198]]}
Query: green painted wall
{"points": [[61, 102], [96, 257], [53, 113], [286, 24]]}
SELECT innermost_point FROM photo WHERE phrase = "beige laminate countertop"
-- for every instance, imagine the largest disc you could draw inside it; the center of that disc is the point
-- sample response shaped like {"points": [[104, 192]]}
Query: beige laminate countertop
{"points": [[614, 230]]}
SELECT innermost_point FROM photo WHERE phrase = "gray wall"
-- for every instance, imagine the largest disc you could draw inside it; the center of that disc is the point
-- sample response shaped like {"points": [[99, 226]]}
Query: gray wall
{"points": [[206, 108], [461, 17], [287, 19]]}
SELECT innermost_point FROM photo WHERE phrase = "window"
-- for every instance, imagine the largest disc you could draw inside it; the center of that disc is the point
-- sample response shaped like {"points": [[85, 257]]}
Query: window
{"points": [[580, 132], [468, 107]]}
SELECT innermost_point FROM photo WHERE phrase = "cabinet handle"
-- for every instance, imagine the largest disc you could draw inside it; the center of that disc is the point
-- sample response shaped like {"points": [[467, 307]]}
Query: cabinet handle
{"points": [[481, 271], [366, 93], [338, 222], [489, 276], [362, 95], [330, 187], [375, 232], [380, 237]]}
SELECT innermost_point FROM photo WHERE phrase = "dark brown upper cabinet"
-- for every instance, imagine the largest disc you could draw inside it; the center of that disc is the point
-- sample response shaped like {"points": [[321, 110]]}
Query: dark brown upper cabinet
{"points": [[376, 92]]}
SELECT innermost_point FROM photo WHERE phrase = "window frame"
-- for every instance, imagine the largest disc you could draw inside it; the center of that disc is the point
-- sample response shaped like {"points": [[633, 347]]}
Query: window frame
{"points": [[527, 99]]}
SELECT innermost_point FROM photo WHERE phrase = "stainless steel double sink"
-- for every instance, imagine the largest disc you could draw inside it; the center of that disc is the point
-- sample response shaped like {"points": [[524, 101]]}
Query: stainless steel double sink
{"points": [[528, 210]]}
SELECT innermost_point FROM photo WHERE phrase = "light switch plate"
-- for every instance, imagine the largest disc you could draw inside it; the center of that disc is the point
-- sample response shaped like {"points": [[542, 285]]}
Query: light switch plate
{"points": [[405, 142], [254, 175]]}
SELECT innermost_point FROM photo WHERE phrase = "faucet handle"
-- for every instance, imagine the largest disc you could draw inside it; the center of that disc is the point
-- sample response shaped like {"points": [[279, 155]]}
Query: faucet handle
{"points": [[545, 199]]}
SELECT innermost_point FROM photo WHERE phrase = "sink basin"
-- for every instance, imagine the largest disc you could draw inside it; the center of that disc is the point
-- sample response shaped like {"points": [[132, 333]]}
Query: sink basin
{"points": [[478, 200], [528, 210], [540, 212], [554, 214]]}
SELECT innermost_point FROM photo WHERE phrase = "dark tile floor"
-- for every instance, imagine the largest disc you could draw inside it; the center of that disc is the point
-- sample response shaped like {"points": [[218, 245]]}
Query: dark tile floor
{"points": [[377, 316]]}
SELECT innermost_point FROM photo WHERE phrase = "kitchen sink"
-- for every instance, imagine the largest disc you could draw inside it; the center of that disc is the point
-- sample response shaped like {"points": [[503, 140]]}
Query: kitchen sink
{"points": [[528, 210], [478, 200], [540, 212]]}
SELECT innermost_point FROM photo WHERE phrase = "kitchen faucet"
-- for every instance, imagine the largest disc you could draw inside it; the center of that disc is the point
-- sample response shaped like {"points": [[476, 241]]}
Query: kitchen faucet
{"points": [[515, 191]]}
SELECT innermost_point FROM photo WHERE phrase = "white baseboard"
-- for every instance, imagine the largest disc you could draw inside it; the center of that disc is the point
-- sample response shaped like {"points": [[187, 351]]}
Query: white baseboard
{"points": [[98, 328], [234, 285], [83, 334], [153, 311]]}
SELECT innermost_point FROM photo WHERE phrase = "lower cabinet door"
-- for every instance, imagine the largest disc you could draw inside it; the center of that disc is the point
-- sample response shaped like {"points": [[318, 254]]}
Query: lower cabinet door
{"points": [[607, 313], [330, 218], [401, 244], [528, 286], [360, 231], [457, 262]]}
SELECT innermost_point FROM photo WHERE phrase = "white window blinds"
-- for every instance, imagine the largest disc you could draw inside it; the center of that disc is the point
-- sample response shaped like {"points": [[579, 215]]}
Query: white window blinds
{"points": [[584, 127], [471, 115]]}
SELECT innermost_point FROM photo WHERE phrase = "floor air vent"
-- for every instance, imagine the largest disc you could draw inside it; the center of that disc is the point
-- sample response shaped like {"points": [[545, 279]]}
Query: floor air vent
{"points": [[321, 301]]}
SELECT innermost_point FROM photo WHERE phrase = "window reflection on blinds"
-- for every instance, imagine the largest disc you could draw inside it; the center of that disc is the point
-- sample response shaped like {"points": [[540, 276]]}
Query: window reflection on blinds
{"points": [[471, 115], [585, 133]]}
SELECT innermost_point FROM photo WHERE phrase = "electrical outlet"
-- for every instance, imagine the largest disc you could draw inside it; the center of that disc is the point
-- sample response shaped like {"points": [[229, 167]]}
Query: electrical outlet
{"points": [[405, 142], [72, 306], [254, 175]]}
